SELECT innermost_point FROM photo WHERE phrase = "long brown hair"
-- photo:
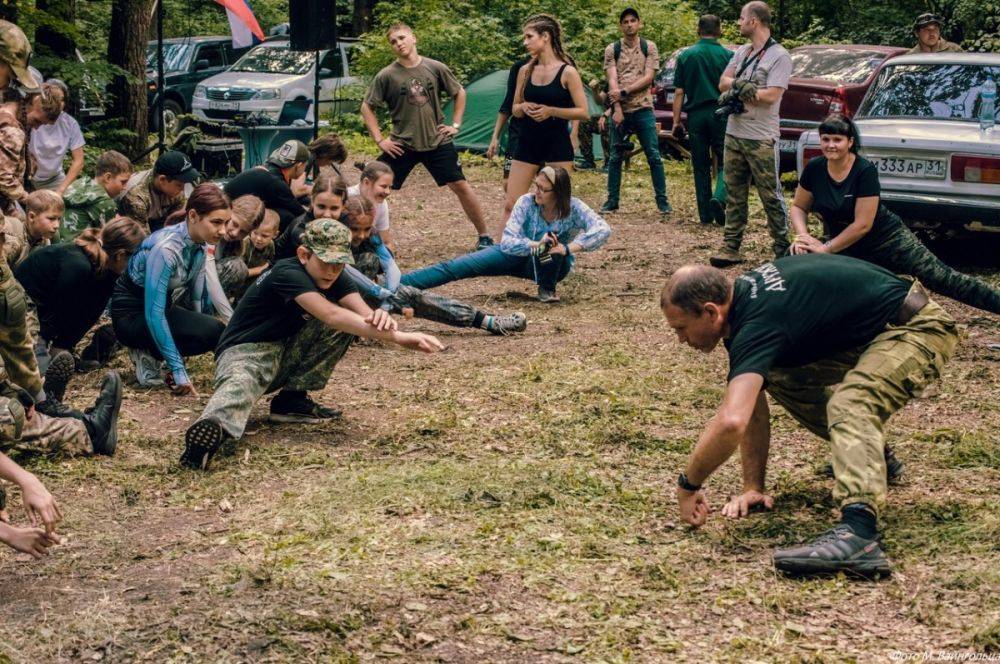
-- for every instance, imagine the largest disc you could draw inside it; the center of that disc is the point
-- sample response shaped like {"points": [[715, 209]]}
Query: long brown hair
{"points": [[206, 198], [547, 24], [100, 244], [562, 189]]}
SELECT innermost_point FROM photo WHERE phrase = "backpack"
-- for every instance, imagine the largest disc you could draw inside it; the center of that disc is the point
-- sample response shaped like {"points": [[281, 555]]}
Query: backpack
{"points": [[643, 46]]}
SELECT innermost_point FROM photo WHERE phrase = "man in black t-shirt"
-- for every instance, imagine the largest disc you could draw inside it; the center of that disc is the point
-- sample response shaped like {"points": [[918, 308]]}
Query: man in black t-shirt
{"points": [[841, 344], [289, 330], [271, 182]]}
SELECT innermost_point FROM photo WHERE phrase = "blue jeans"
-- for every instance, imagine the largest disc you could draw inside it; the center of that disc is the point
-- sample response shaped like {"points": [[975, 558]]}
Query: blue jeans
{"points": [[490, 262], [643, 125]]}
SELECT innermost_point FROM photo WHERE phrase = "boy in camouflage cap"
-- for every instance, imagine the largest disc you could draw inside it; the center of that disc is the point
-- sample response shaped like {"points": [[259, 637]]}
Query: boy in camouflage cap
{"points": [[91, 203], [269, 345]]}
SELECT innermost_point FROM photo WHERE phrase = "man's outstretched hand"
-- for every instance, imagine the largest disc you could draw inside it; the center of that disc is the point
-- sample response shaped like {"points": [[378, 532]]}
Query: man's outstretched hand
{"points": [[748, 501], [694, 508]]}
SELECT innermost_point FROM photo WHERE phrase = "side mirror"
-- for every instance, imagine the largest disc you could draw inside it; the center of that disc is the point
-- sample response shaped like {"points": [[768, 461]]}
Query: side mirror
{"points": [[202, 65]]}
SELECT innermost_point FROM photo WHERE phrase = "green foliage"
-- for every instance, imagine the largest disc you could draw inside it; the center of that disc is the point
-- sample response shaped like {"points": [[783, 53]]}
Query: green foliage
{"points": [[456, 33]]}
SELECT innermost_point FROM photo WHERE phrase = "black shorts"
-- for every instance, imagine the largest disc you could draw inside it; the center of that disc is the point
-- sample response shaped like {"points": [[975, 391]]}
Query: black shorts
{"points": [[441, 162], [544, 147]]}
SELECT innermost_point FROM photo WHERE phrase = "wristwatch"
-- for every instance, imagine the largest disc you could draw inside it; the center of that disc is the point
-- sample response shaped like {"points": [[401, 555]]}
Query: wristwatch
{"points": [[682, 482], [456, 126]]}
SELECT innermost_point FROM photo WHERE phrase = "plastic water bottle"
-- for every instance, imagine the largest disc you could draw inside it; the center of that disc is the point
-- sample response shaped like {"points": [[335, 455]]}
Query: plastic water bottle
{"points": [[988, 106]]}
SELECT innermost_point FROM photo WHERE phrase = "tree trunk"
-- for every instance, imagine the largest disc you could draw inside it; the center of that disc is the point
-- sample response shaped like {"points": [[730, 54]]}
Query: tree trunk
{"points": [[8, 10], [362, 19], [130, 21], [51, 41]]}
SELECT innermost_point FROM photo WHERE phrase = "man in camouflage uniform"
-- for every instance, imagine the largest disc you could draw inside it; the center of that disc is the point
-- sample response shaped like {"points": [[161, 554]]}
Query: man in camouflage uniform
{"points": [[16, 81], [90, 203], [152, 196], [842, 344], [927, 30], [287, 333], [758, 75]]}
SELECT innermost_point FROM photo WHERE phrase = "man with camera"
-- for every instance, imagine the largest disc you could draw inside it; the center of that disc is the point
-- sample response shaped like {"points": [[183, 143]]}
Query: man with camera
{"points": [[752, 86], [696, 89]]}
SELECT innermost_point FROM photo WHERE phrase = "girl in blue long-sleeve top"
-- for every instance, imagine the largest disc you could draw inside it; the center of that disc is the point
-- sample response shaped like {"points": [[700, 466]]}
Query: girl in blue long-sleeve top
{"points": [[142, 307], [544, 233]]}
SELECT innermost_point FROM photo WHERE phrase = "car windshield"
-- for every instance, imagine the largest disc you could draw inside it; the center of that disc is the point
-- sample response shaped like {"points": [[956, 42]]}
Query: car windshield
{"points": [[942, 91], [838, 65], [175, 56], [275, 60]]}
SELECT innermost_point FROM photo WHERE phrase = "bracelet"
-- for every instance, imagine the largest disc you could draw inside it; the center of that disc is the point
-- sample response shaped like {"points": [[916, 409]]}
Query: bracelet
{"points": [[829, 247], [682, 482]]}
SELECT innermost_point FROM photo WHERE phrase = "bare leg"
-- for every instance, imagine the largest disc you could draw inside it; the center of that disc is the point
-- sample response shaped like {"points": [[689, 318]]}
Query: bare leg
{"points": [[518, 184], [470, 204]]}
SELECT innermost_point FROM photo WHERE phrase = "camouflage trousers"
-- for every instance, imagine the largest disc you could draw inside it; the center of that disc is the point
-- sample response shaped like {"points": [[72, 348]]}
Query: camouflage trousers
{"points": [[903, 253], [16, 345], [233, 276], [246, 372], [847, 398], [746, 162], [41, 434], [586, 137]]}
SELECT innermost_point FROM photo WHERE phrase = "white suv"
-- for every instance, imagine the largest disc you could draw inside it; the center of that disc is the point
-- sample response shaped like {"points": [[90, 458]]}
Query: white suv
{"points": [[269, 75]]}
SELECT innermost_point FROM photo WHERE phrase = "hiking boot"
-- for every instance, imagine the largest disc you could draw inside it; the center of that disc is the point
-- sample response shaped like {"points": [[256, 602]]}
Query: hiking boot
{"points": [[101, 419], [718, 211], [609, 207], [547, 296], [201, 441], [58, 373], [483, 242], [55, 408], [147, 368], [99, 351], [836, 550], [726, 258], [508, 323], [665, 210], [298, 407], [585, 165]]}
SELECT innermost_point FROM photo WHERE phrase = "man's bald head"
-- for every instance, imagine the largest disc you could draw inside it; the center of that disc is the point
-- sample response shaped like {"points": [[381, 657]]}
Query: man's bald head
{"points": [[760, 11], [692, 286]]}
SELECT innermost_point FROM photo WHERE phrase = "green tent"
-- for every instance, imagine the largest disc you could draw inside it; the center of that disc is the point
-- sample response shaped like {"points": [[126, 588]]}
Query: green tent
{"points": [[484, 96]]}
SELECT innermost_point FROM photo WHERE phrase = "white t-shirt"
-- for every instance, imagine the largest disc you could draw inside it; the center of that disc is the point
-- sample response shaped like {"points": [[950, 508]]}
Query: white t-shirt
{"points": [[50, 144], [381, 210], [771, 70]]}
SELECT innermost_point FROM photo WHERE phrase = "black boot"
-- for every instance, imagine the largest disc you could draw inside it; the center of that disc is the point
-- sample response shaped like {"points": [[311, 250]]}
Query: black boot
{"points": [[101, 419], [202, 440], [98, 352], [57, 375]]}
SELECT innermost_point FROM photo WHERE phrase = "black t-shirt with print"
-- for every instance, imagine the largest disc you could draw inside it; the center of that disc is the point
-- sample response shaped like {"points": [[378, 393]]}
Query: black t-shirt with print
{"points": [[800, 309], [834, 201], [268, 310]]}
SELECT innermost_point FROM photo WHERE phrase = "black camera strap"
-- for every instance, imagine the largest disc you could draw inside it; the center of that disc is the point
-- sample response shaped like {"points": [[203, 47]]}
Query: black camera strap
{"points": [[755, 58]]}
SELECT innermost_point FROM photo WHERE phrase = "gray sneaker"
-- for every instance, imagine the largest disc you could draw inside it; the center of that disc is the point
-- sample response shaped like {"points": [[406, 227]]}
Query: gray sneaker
{"points": [[147, 368], [508, 323], [836, 550], [547, 296]]}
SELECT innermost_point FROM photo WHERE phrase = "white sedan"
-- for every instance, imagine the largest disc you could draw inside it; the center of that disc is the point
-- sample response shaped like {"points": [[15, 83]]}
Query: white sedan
{"points": [[919, 124]]}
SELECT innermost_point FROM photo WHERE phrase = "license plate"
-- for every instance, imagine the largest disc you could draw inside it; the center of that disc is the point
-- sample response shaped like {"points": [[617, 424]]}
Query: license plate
{"points": [[224, 105], [670, 97], [926, 169], [787, 145]]}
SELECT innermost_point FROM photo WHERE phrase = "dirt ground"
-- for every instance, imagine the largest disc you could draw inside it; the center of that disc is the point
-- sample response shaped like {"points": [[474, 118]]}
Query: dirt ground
{"points": [[511, 499]]}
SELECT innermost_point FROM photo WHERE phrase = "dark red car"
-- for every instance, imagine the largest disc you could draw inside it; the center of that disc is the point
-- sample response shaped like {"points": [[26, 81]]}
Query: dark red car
{"points": [[826, 78], [663, 89]]}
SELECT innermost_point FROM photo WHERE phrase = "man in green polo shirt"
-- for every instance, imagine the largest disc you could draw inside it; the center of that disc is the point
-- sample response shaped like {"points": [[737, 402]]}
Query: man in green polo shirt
{"points": [[696, 80]]}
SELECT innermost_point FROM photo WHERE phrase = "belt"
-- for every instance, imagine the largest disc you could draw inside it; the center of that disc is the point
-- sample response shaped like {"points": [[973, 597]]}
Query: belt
{"points": [[914, 301]]}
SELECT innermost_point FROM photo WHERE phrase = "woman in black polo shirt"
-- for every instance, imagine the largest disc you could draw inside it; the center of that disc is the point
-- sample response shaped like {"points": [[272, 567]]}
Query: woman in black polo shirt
{"points": [[842, 187]]}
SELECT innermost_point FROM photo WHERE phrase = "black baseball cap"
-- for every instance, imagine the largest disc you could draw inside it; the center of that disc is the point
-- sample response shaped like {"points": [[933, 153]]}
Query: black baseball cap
{"points": [[176, 166], [927, 19], [626, 12]]}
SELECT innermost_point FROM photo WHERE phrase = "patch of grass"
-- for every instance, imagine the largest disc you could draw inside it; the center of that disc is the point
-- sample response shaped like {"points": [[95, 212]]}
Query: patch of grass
{"points": [[963, 449]]}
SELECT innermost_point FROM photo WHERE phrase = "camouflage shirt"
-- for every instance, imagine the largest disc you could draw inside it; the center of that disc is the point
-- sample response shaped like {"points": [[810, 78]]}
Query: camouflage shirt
{"points": [[146, 205], [17, 244], [13, 161], [87, 206]]}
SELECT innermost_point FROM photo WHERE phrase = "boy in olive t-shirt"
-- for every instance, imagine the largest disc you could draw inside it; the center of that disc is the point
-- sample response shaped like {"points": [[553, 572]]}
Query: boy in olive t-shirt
{"points": [[410, 89]]}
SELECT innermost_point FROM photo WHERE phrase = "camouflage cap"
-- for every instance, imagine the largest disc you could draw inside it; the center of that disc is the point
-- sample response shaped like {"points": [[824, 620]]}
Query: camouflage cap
{"points": [[15, 50], [330, 240], [290, 153]]}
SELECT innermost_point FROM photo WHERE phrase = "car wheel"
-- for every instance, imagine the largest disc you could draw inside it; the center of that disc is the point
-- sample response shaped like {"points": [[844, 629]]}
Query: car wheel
{"points": [[172, 113]]}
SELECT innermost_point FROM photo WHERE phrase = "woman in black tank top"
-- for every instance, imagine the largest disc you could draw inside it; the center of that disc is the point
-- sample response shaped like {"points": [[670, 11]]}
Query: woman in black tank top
{"points": [[549, 97]]}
